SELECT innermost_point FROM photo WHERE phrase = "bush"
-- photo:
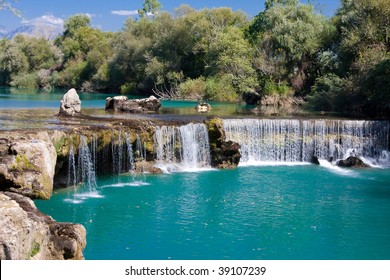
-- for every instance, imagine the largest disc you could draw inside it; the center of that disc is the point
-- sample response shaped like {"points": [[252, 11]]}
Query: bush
{"points": [[193, 89], [220, 89], [328, 93], [280, 89], [25, 80], [128, 89]]}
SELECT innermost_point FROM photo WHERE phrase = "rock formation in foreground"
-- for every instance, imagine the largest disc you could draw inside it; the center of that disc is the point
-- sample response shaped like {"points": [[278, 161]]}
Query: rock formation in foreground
{"points": [[26, 233], [134, 106], [70, 104], [27, 166]]}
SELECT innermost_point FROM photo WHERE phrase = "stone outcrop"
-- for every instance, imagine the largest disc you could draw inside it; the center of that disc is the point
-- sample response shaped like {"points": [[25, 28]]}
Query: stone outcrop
{"points": [[27, 166], [224, 154], [134, 106], [203, 107], [26, 233], [70, 104], [352, 162]]}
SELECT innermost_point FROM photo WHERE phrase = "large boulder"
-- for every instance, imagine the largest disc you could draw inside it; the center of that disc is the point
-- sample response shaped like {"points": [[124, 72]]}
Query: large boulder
{"points": [[70, 104], [352, 162], [27, 167], [26, 233], [134, 106]]}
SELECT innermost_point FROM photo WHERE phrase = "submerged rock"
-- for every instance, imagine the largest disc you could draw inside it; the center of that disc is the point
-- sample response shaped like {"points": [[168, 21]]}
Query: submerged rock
{"points": [[26, 233], [352, 162], [27, 167], [70, 104], [135, 106]]}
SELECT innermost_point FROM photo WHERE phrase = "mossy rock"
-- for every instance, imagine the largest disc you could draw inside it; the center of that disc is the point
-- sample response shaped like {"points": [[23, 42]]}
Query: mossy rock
{"points": [[216, 132]]}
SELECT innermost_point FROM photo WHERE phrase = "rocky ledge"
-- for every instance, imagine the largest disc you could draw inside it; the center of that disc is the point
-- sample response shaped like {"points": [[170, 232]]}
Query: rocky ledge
{"points": [[26, 233], [134, 106]]}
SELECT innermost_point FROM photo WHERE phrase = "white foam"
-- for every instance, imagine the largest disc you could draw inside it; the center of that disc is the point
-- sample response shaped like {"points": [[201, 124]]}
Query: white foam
{"points": [[272, 163], [73, 201], [382, 162], [177, 167], [88, 195], [334, 168], [127, 184]]}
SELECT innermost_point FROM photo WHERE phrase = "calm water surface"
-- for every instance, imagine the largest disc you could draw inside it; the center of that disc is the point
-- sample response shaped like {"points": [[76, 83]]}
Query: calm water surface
{"points": [[266, 212]]}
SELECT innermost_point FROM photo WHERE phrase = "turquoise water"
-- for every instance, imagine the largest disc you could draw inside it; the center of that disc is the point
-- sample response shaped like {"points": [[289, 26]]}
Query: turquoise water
{"points": [[15, 98], [263, 212]]}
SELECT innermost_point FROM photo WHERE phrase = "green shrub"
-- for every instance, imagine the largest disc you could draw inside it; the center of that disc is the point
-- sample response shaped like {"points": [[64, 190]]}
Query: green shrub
{"points": [[270, 87], [25, 80], [193, 89], [220, 89], [128, 89], [328, 93]]}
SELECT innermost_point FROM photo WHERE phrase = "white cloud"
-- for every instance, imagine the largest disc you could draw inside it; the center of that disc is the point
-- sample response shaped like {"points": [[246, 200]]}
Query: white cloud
{"points": [[45, 19], [125, 13], [89, 15]]}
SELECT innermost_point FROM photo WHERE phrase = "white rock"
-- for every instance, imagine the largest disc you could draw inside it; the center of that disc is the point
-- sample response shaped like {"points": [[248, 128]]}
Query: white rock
{"points": [[70, 103]]}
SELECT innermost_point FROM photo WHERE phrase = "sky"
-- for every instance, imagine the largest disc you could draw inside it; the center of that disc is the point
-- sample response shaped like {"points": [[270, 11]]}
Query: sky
{"points": [[110, 15]]}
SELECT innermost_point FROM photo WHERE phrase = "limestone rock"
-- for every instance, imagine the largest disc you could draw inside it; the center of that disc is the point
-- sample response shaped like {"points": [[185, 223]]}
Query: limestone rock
{"points": [[115, 102], [70, 104], [27, 167], [203, 107], [352, 162], [134, 106], [26, 233], [224, 154]]}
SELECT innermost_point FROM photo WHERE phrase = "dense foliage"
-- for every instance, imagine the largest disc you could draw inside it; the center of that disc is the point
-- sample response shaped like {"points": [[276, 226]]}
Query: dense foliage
{"points": [[289, 49]]}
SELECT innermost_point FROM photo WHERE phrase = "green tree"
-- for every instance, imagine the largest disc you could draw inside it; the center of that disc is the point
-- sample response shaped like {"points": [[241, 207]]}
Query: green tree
{"points": [[287, 37], [230, 54], [150, 7]]}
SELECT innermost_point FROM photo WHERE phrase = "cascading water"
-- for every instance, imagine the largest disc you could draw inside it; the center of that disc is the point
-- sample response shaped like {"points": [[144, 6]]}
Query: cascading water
{"points": [[264, 140], [183, 148], [72, 177], [86, 172], [117, 153], [129, 149]]}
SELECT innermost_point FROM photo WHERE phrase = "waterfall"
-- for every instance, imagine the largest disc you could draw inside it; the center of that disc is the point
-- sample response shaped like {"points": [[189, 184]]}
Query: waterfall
{"points": [[129, 149], [195, 148], [265, 140], [183, 148], [117, 148], [86, 170], [72, 177]]}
